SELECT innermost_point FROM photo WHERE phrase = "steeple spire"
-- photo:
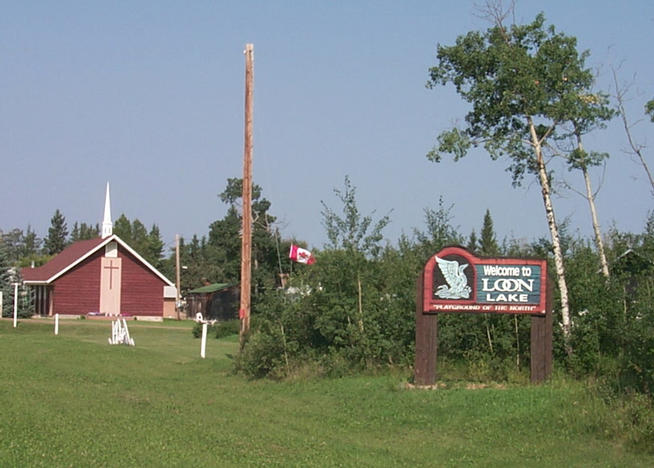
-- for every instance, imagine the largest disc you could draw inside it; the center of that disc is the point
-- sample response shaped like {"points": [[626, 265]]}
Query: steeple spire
{"points": [[107, 225]]}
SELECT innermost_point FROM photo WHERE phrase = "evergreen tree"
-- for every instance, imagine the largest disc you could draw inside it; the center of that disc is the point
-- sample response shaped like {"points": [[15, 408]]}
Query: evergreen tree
{"points": [[31, 243], [488, 243], [123, 228], [197, 266], [74, 233], [139, 237], [473, 242], [5, 279], [84, 231], [223, 247], [13, 242], [135, 234], [155, 247], [57, 234]]}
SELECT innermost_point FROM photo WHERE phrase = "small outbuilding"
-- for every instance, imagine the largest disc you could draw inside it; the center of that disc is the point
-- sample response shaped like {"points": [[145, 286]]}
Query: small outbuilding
{"points": [[217, 301]]}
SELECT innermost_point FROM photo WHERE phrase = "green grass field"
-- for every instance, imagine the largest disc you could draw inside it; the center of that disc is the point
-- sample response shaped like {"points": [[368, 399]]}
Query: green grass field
{"points": [[74, 400]]}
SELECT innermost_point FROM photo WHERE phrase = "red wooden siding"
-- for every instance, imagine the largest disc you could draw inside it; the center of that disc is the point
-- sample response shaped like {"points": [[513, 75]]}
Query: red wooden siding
{"points": [[78, 291], [142, 290]]}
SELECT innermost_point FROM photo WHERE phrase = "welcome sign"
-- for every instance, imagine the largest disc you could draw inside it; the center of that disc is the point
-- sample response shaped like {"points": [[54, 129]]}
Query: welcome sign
{"points": [[457, 281]]}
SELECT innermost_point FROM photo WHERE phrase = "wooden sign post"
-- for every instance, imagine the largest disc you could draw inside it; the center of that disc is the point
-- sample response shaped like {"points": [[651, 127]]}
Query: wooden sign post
{"points": [[454, 280], [541, 342]]}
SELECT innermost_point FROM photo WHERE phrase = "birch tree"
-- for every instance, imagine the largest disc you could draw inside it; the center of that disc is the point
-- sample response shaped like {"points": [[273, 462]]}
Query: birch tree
{"points": [[636, 148], [587, 111], [520, 81]]}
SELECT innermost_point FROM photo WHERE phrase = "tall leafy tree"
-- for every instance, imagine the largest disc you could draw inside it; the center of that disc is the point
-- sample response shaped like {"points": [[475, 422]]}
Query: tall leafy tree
{"points": [[636, 147], [586, 111], [440, 230], [582, 160], [223, 246], [354, 245], [57, 234], [352, 231], [520, 81]]}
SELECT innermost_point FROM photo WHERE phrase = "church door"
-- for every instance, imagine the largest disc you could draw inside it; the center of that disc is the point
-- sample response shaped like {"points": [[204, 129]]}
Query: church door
{"points": [[110, 286]]}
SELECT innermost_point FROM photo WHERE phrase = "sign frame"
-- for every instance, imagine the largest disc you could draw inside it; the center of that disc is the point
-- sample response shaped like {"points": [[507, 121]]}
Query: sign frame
{"points": [[428, 307], [507, 291]]}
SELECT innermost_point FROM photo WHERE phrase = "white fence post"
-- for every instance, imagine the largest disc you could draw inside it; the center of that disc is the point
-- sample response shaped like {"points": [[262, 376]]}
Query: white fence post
{"points": [[15, 303], [204, 340], [56, 324]]}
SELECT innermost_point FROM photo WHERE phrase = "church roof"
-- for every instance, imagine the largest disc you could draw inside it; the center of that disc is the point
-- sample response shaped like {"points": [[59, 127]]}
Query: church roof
{"points": [[64, 259], [73, 255]]}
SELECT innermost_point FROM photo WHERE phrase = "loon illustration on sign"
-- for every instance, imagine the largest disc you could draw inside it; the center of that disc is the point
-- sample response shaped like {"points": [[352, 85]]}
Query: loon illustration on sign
{"points": [[457, 281]]}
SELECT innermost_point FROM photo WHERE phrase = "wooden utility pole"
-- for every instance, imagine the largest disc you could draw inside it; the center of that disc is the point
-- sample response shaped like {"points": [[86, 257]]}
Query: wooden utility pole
{"points": [[177, 277], [246, 241]]}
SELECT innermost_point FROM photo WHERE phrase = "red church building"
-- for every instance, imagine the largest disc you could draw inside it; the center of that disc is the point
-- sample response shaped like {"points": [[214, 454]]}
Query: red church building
{"points": [[102, 276]]}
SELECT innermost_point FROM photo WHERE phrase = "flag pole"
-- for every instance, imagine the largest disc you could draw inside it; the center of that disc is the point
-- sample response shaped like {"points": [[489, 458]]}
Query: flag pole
{"points": [[246, 240]]}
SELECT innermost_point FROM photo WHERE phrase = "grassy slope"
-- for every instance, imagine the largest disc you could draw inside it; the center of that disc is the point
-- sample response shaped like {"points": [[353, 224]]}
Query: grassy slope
{"points": [[75, 400]]}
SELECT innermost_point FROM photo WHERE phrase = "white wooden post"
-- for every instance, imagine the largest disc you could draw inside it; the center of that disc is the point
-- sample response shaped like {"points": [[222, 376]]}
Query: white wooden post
{"points": [[204, 340], [15, 303], [56, 324], [120, 333]]}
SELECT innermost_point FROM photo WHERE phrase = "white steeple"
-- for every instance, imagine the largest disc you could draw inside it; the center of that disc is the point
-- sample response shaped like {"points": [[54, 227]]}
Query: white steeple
{"points": [[107, 225]]}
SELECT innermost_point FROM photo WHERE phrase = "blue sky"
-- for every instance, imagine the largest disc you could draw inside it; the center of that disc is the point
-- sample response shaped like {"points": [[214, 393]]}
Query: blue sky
{"points": [[149, 96]]}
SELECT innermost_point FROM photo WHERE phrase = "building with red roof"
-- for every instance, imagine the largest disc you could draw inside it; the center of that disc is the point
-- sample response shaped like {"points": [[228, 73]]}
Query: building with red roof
{"points": [[102, 276]]}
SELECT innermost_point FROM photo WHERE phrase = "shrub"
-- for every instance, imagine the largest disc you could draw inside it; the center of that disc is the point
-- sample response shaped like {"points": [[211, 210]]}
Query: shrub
{"points": [[227, 328], [262, 356], [197, 330]]}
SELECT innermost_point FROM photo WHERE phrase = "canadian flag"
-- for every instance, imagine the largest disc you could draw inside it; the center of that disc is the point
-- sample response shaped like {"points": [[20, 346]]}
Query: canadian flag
{"points": [[300, 255]]}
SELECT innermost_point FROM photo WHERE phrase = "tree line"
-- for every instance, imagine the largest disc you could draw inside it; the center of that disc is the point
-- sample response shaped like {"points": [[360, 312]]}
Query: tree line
{"points": [[26, 248]]}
